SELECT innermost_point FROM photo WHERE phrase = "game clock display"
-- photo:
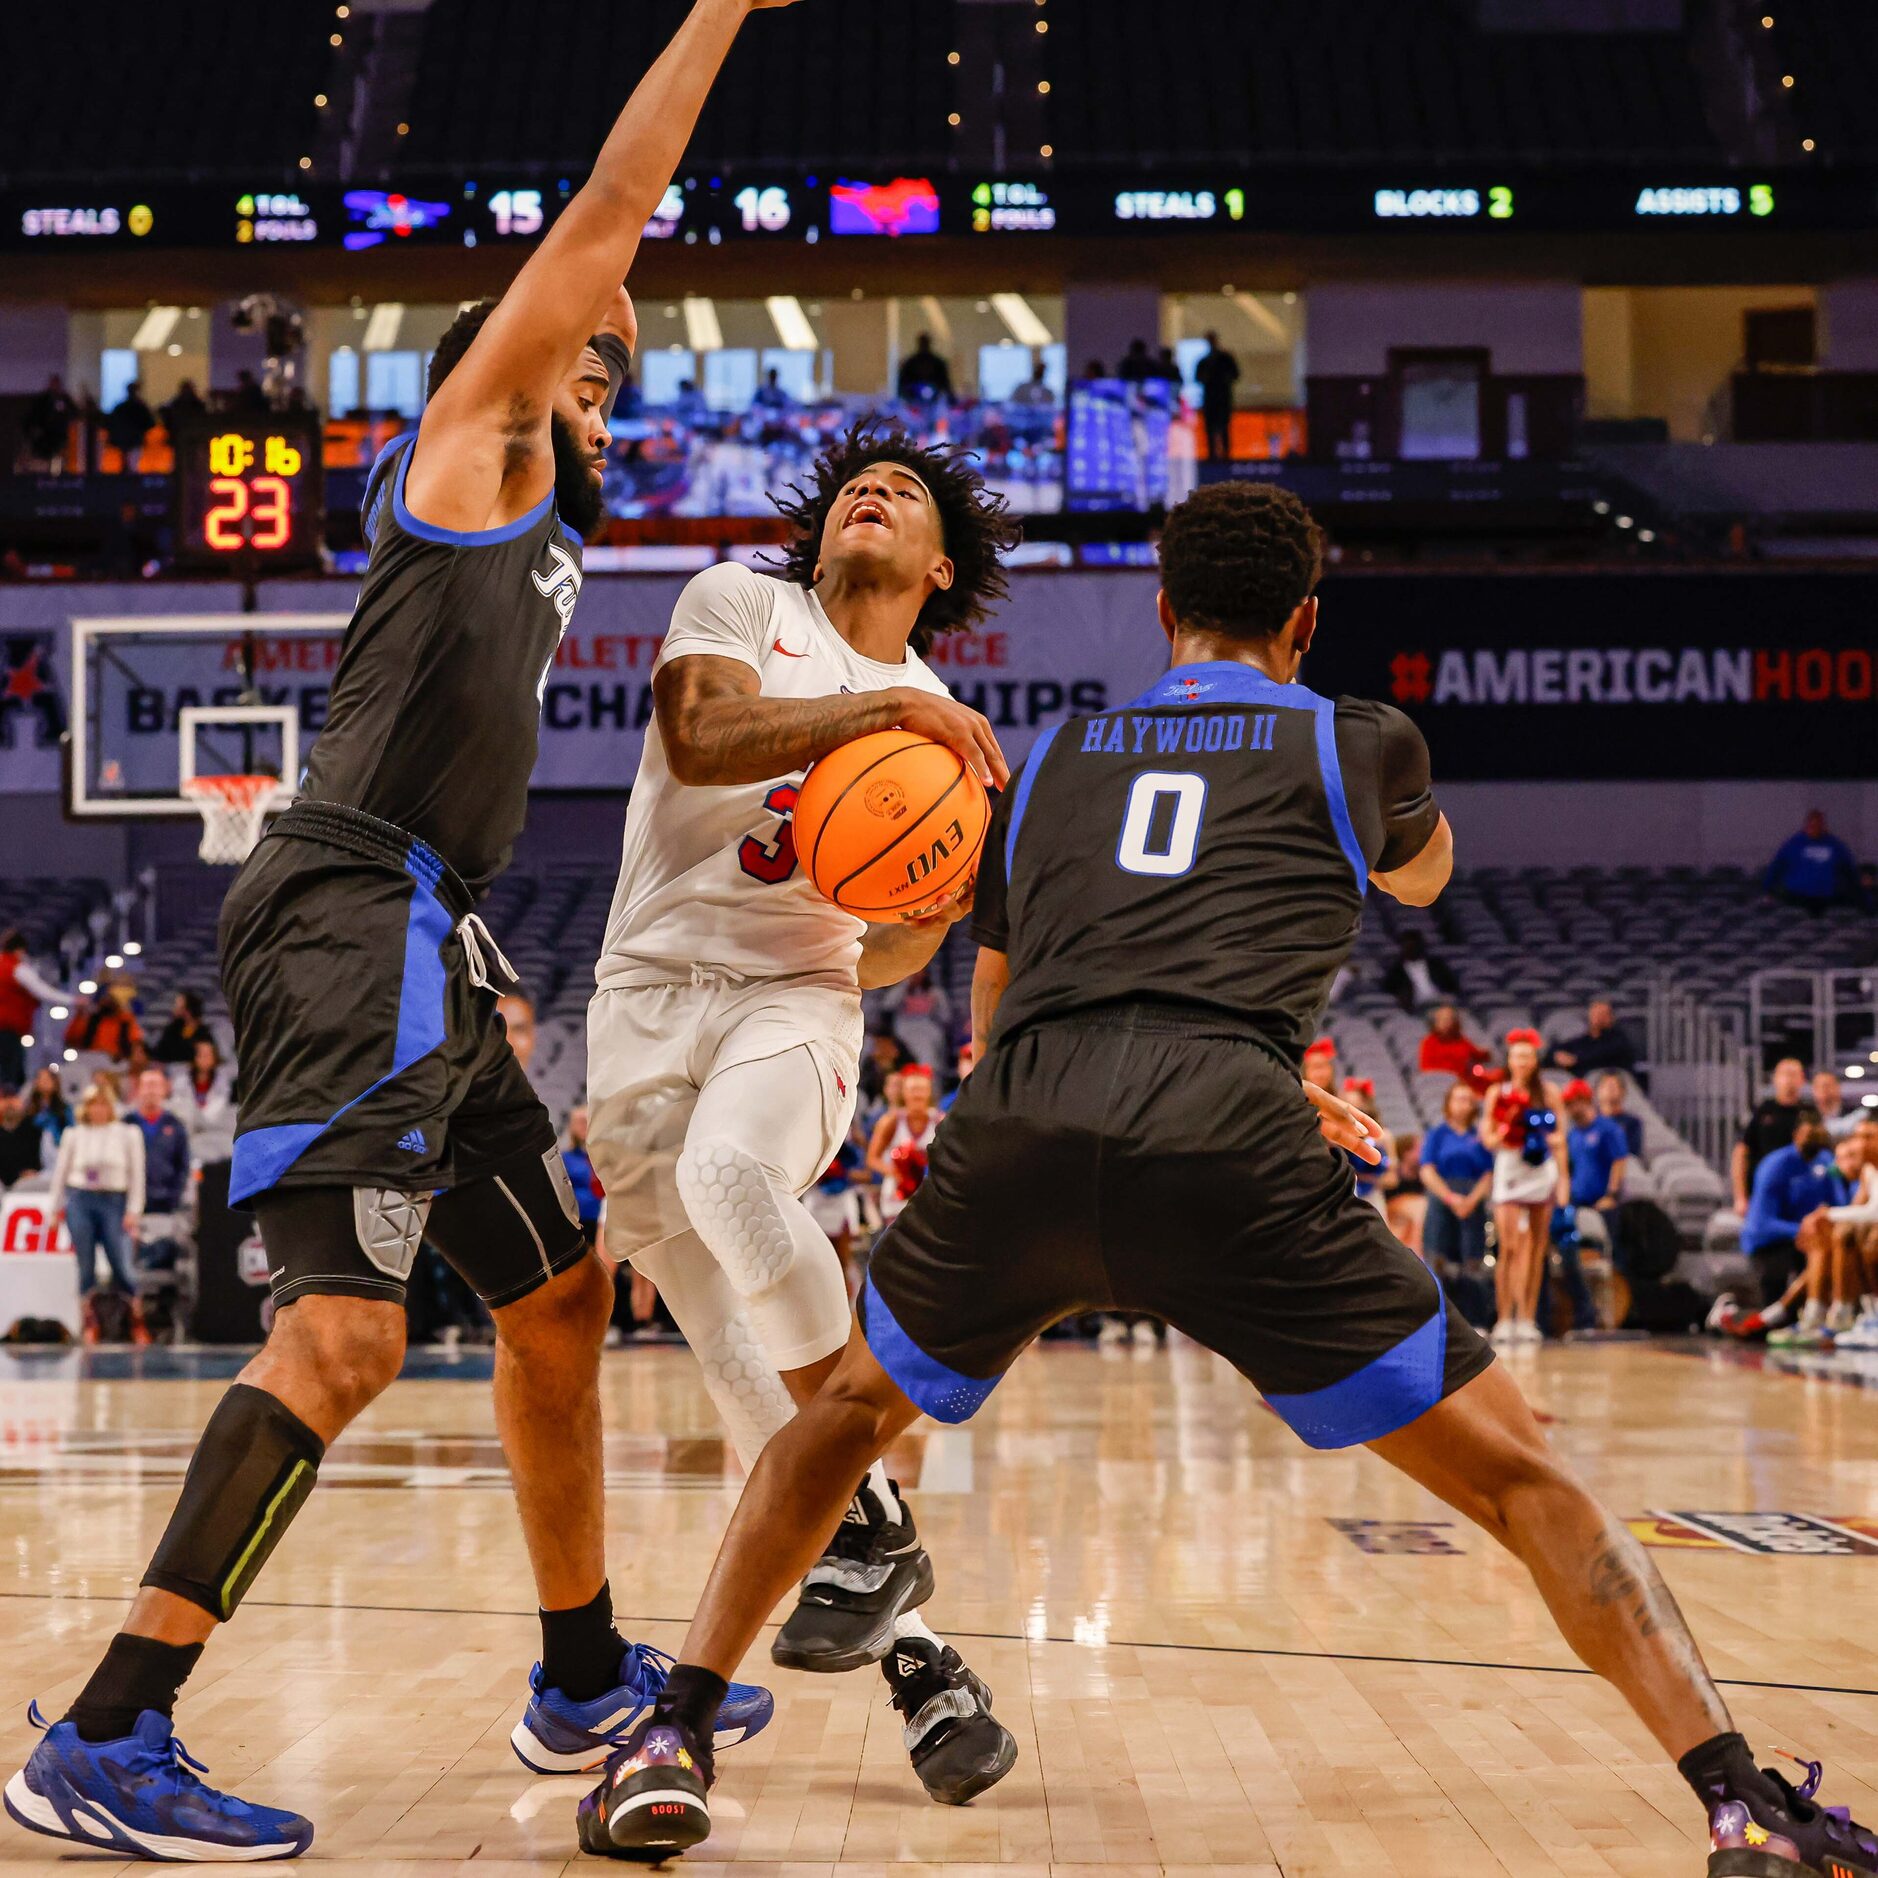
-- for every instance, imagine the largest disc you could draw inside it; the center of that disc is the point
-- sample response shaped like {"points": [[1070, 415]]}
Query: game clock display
{"points": [[249, 492]]}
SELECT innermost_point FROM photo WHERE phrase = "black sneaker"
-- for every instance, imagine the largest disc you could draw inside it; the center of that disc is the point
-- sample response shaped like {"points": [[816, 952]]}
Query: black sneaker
{"points": [[1796, 1837], [874, 1571], [958, 1747], [650, 1802]]}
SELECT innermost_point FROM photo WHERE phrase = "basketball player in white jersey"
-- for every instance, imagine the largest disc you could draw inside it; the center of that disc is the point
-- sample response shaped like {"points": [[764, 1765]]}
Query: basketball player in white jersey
{"points": [[724, 1038]]}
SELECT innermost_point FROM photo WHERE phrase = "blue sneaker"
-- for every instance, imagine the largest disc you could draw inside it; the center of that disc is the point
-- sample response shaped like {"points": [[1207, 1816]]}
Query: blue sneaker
{"points": [[139, 1798], [556, 1736]]}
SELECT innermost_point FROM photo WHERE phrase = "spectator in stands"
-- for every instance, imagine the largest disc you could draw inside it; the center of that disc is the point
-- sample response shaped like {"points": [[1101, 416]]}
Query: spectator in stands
{"points": [[1597, 1149], [580, 1172], [897, 1152], [1166, 367], [1829, 1100], [967, 1056], [1217, 374], [1320, 1065], [46, 1104], [1447, 1050], [46, 424], [1457, 1176], [1813, 869], [922, 1017], [1604, 1044], [22, 991], [1530, 1178], [98, 1180], [925, 378], [518, 1019], [770, 395], [1769, 1128], [184, 408], [1373, 1178], [206, 1104], [22, 1146], [1417, 979], [107, 1023], [166, 1163], [129, 423], [1786, 1211], [884, 1057], [247, 396], [1613, 1094], [177, 1043], [1035, 390]]}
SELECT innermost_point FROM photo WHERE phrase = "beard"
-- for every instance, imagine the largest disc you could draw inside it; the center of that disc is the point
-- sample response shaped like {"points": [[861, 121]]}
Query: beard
{"points": [[577, 495]]}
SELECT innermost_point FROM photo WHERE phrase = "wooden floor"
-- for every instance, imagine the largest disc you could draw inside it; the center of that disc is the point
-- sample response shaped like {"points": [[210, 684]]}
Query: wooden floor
{"points": [[1216, 1648]]}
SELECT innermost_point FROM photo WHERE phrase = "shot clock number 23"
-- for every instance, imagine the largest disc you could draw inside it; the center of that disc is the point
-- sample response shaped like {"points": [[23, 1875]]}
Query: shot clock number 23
{"points": [[248, 489]]}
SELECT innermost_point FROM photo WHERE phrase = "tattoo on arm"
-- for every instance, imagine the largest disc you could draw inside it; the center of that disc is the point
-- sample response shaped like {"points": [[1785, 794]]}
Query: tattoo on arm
{"points": [[718, 728]]}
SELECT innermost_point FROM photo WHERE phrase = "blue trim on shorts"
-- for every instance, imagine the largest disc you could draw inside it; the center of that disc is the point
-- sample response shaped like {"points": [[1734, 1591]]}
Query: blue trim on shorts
{"points": [[1382, 1396], [1025, 783], [263, 1155], [1225, 681], [926, 1382], [460, 537]]}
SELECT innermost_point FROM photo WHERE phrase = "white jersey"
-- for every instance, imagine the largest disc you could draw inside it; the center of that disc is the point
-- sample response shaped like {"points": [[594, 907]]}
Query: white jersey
{"points": [[709, 876]]}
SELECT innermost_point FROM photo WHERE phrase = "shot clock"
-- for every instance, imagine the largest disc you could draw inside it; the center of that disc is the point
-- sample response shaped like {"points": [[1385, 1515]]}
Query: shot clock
{"points": [[249, 493]]}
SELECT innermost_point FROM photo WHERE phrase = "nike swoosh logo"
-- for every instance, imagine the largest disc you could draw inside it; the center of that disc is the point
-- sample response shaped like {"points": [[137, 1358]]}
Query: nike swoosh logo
{"points": [[784, 650]]}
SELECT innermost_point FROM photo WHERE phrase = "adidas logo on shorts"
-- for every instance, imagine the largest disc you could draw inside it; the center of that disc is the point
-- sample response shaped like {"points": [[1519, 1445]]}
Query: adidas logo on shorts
{"points": [[412, 1141]]}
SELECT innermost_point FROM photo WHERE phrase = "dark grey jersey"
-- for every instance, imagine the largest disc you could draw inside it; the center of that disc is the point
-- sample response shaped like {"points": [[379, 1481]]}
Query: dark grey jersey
{"points": [[1206, 846], [436, 705]]}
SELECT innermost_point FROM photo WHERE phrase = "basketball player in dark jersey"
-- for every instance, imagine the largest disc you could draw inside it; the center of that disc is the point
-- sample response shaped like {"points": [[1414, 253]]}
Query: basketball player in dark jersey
{"points": [[1165, 895], [380, 1101]]}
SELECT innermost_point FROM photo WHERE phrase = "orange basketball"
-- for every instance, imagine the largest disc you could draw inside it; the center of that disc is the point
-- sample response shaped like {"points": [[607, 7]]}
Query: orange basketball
{"points": [[889, 825]]}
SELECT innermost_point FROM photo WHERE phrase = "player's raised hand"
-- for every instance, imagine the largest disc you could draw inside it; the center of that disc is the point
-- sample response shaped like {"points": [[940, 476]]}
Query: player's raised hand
{"points": [[958, 727], [1343, 1125], [621, 318]]}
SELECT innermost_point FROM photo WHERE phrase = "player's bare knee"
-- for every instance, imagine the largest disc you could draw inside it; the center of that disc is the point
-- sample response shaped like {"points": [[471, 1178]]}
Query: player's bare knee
{"points": [[565, 1318], [729, 1197], [345, 1351]]}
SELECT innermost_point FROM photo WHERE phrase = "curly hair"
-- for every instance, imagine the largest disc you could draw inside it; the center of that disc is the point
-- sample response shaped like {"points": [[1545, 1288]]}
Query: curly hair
{"points": [[1240, 558], [457, 339], [975, 524]]}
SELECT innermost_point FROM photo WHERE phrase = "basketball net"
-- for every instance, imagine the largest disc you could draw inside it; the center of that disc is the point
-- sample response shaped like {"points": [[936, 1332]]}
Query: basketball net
{"points": [[234, 810]]}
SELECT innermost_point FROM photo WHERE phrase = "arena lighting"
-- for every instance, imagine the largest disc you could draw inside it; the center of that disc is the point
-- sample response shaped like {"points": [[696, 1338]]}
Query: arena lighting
{"points": [[27, 1041], [1646, 534], [88, 987], [60, 1013], [381, 328], [1855, 1070], [132, 950], [702, 331], [1021, 317], [1874, 1056], [71, 1056], [114, 961], [1870, 1101], [153, 331], [1624, 521], [791, 323]]}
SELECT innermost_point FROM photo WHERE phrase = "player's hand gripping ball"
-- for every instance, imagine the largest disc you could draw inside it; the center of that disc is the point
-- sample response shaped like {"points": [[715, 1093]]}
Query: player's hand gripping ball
{"points": [[890, 826]]}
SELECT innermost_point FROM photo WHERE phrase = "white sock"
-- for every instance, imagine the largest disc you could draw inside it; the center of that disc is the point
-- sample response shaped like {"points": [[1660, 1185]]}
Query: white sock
{"points": [[1813, 1315], [877, 1479], [1774, 1316], [911, 1624]]}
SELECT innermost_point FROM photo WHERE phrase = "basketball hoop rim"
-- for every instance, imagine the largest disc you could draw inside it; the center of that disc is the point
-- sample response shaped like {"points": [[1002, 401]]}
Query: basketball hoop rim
{"points": [[234, 792]]}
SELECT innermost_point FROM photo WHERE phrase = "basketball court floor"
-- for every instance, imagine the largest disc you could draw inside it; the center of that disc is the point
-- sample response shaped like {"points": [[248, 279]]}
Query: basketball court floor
{"points": [[1216, 1648]]}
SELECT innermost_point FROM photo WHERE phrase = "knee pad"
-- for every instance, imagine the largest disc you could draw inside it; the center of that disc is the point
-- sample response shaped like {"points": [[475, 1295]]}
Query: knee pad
{"points": [[737, 1211], [255, 1464], [738, 1375]]}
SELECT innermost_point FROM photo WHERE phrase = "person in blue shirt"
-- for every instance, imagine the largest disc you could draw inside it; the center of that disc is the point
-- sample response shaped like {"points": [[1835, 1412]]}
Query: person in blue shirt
{"points": [[1597, 1148], [1457, 1176], [165, 1169], [1613, 1093], [1813, 869], [580, 1173], [1371, 1176], [1784, 1231]]}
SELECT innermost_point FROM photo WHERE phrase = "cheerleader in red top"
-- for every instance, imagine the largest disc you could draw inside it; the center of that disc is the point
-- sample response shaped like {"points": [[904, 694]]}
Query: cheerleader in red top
{"points": [[1530, 1177], [902, 1137]]}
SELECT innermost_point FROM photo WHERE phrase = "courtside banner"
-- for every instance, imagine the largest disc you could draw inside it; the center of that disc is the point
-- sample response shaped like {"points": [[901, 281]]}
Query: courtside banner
{"points": [[1512, 677], [1561, 676]]}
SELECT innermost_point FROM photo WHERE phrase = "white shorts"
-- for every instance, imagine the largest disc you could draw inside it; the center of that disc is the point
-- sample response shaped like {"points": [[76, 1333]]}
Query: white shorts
{"points": [[1519, 1182], [653, 1052]]}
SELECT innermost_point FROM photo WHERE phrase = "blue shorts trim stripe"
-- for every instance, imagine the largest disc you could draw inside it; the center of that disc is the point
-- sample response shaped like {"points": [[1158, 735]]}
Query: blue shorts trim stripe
{"points": [[263, 1155], [926, 1382], [1384, 1395]]}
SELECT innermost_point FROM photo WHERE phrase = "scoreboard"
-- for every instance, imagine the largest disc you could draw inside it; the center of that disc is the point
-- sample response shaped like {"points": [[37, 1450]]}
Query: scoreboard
{"points": [[249, 493], [746, 206]]}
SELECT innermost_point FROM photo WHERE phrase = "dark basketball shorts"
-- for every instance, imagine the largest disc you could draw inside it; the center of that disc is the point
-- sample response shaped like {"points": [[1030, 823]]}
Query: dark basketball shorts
{"points": [[1134, 1161], [379, 1100]]}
